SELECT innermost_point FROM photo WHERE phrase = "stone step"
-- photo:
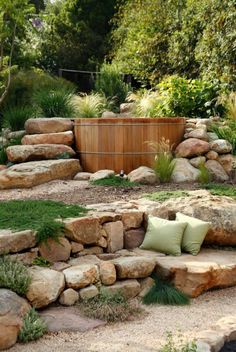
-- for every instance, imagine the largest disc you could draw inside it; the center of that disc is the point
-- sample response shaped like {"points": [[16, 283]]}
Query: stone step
{"points": [[66, 138], [23, 153], [194, 275], [34, 173], [48, 125]]}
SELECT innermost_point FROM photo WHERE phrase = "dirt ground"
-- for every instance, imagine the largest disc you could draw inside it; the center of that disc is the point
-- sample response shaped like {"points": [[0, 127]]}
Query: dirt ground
{"points": [[82, 192]]}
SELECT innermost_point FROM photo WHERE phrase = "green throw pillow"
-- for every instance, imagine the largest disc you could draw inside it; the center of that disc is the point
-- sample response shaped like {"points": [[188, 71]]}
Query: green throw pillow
{"points": [[164, 236], [194, 233]]}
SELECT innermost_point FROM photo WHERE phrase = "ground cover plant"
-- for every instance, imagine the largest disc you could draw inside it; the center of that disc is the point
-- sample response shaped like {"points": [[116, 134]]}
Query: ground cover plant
{"points": [[110, 307], [14, 275], [162, 196], [33, 327], [163, 292], [114, 181], [221, 190], [171, 345]]}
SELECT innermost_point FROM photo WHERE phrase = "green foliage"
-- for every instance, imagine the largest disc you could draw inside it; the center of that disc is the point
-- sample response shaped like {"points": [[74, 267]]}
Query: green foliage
{"points": [[88, 106], [162, 196], [109, 307], [114, 181], [110, 83], [28, 214], [50, 229], [40, 261], [180, 346], [163, 292], [53, 102], [3, 154], [204, 176], [14, 275], [16, 116], [146, 103], [221, 190], [33, 327]]}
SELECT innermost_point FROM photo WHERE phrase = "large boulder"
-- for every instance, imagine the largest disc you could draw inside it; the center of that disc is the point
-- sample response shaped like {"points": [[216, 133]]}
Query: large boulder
{"points": [[199, 133], [129, 288], [144, 175], [13, 242], [46, 286], [49, 138], [84, 230], [192, 147], [134, 267], [34, 173], [55, 251], [133, 238], [220, 211], [12, 310], [48, 125], [195, 275], [216, 171], [132, 219], [80, 276], [184, 171], [227, 161], [22, 153], [221, 146]]}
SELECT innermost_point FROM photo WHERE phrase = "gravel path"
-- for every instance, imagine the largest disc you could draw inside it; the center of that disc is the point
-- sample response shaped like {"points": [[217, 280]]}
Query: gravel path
{"points": [[144, 334]]}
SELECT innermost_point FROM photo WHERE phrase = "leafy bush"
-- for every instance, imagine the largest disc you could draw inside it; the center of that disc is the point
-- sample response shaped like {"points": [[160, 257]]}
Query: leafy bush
{"points": [[50, 229], [114, 181], [163, 292], [92, 105], [109, 307], [110, 83], [33, 327], [162, 196], [14, 275], [53, 102], [180, 346], [16, 116], [204, 176], [164, 163]]}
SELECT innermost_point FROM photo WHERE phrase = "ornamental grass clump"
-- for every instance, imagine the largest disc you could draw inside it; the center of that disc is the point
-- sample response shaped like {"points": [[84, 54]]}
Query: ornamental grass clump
{"points": [[110, 307], [16, 116], [14, 275], [164, 163], [33, 327], [204, 175], [89, 105], [145, 103], [163, 292]]}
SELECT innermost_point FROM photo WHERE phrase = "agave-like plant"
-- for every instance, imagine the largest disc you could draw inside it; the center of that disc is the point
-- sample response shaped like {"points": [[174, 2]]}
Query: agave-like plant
{"points": [[89, 105]]}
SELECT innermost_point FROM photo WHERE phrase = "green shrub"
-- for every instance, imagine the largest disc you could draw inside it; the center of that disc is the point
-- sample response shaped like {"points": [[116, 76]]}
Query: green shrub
{"points": [[33, 327], [179, 346], [114, 181], [53, 102], [88, 106], [162, 196], [163, 292], [14, 275], [16, 116], [50, 229], [109, 307], [110, 83], [204, 176]]}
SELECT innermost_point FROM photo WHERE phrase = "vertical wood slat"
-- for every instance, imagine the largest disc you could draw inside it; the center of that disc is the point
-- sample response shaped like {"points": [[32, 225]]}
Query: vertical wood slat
{"points": [[119, 143]]}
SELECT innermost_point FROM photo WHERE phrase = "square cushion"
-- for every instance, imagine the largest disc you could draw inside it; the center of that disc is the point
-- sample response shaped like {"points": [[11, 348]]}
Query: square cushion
{"points": [[194, 233], [164, 236]]}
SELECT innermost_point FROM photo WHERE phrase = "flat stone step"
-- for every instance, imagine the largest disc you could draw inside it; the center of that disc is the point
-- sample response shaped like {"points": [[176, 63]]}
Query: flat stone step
{"points": [[66, 138], [34, 173], [23, 153], [197, 274], [48, 125]]}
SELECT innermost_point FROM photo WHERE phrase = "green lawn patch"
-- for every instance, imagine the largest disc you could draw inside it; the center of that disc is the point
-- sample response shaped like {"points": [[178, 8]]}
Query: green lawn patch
{"points": [[221, 190], [32, 214], [114, 181], [162, 196]]}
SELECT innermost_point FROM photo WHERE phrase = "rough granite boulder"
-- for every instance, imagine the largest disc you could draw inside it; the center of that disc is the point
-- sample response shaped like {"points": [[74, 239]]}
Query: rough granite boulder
{"points": [[34, 173], [199, 133], [198, 161], [107, 273], [48, 125], [12, 310], [69, 297], [134, 267], [144, 175], [184, 171], [216, 171], [66, 138], [101, 174], [46, 286], [192, 147], [195, 275], [80, 276], [23, 153], [55, 251], [129, 288], [221, 146], [13, 242], [227, 161], [115, 235], [84, 230], [133, 238]]}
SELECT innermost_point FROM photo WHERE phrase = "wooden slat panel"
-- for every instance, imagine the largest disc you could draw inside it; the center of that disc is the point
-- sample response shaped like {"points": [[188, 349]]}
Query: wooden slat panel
{"points": [[120, 143]]}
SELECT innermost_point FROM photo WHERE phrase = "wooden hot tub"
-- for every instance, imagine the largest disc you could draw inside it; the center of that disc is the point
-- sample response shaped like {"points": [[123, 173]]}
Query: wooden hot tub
{"points": [[119, 143]]}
